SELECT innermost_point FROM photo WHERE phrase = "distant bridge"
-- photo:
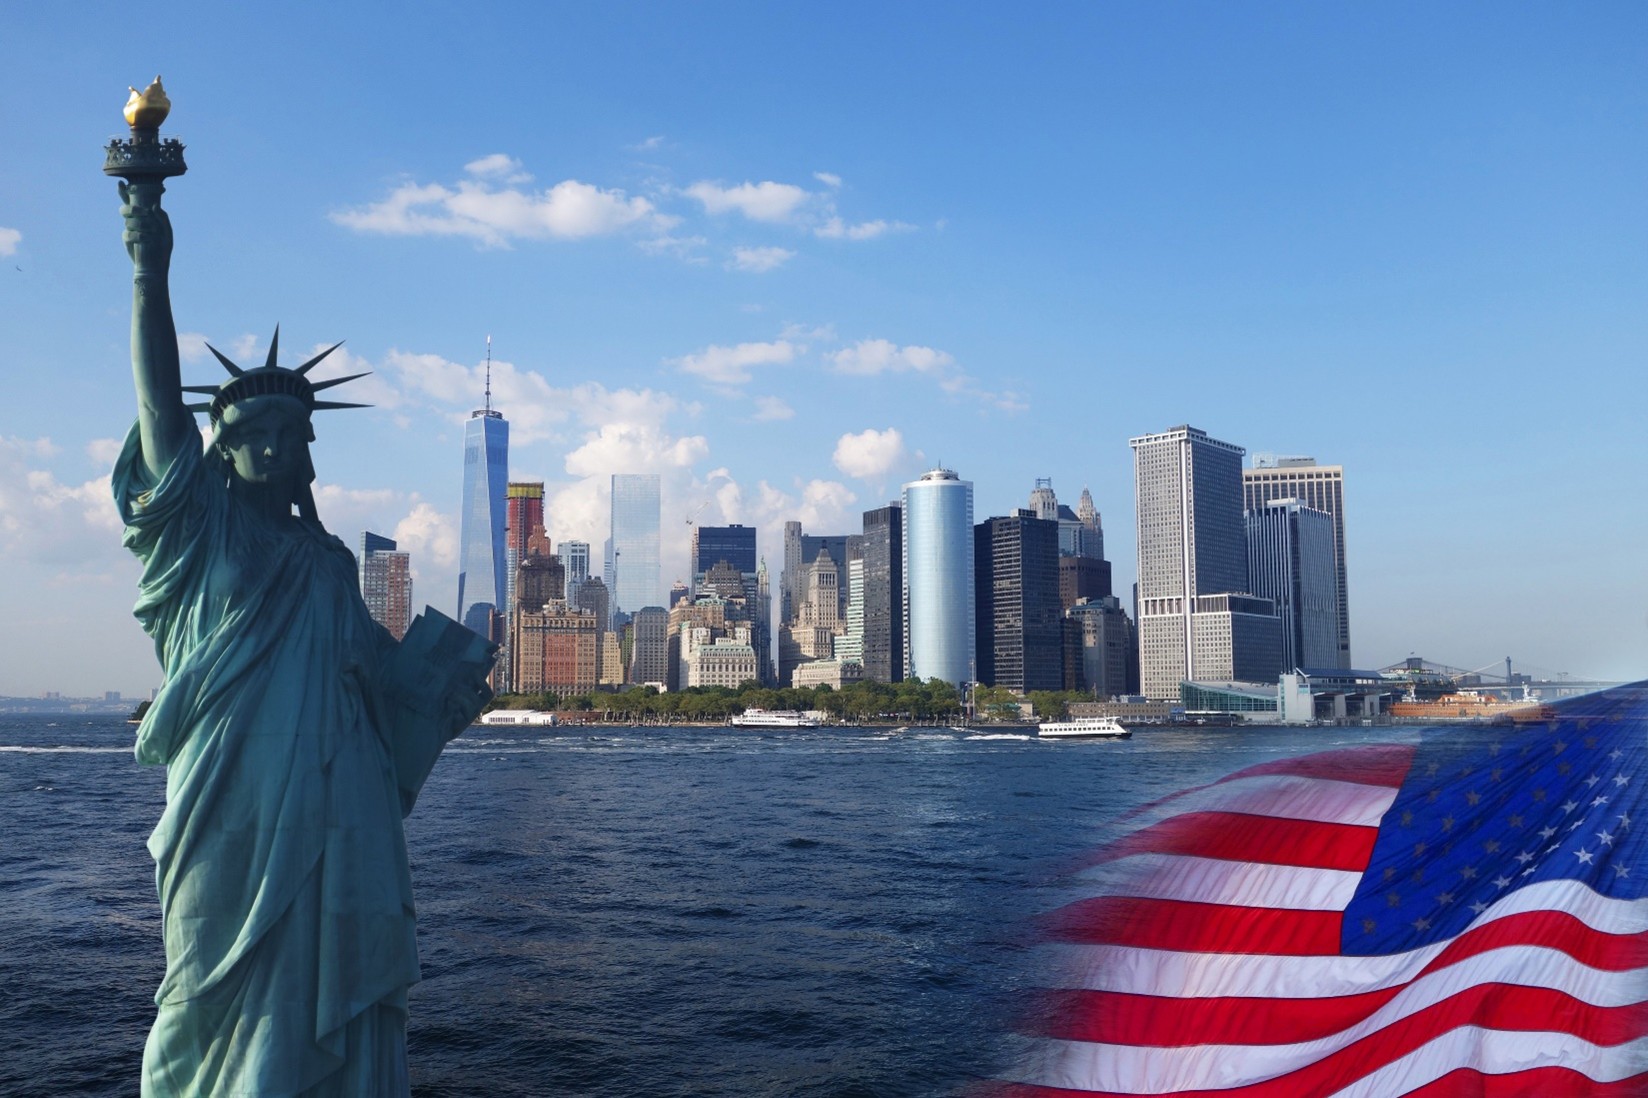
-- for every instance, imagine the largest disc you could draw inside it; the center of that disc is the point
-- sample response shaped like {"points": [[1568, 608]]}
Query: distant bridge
{"points": [[1497, 678]]}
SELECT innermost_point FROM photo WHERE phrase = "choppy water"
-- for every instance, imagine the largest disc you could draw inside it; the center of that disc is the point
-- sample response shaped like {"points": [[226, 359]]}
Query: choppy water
{"points": [[624, 911]]}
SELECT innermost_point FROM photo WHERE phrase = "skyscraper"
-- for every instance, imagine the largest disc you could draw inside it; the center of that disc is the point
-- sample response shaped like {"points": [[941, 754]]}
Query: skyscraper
{"points": [[1104, 647], [386, 583], [800, 553], [1290, 561], [938, 578], [635, 542], [884, 593], [1321, 487], [1016, 582], [649, 656], [483, 579], [575, 558], [523, 517], [1196, 619], [734, 544]]}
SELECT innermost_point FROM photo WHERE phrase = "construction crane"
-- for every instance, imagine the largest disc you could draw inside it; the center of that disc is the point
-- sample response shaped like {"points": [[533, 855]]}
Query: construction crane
{"points": [[696, 511]]}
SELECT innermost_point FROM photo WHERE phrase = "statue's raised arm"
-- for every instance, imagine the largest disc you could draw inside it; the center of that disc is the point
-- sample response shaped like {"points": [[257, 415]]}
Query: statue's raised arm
{"points": [[165, 425]]}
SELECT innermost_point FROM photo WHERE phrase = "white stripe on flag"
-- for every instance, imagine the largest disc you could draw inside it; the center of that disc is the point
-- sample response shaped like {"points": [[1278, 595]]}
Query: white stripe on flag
{"points": [[1127, 1069], [1495, 1052], [1216, 881], [1285, 796], [1213, 975]]}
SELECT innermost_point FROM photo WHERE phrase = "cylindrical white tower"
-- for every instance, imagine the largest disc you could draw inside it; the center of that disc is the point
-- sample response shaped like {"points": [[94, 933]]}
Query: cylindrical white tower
{"points": [[938, 578]]}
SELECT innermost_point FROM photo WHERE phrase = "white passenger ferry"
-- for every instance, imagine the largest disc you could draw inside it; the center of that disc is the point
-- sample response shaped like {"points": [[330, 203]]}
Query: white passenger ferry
{"points": [[1083, 728], [773, 718], [517, 718]]}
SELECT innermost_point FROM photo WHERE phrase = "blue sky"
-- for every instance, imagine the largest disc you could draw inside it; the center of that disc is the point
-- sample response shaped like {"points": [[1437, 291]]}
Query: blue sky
{"points": [[789, 256]]}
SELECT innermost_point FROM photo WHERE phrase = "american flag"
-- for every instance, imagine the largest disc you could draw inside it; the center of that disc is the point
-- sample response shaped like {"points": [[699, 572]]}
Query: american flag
{"points": [[1464, 916]]}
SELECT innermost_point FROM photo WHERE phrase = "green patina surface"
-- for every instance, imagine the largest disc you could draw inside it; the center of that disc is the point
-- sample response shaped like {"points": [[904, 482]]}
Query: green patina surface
{"points": [[295, 732]]}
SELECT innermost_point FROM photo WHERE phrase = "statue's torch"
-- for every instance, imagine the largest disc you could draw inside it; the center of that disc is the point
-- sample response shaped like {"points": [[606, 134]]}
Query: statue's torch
{"points": [[145, 159]]}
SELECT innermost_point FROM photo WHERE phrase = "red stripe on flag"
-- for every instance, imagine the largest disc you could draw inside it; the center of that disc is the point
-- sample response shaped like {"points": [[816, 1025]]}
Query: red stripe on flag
{"points": [[1371, 764], [1546, 1082], [1374, 764], [1341, 1068], [1242, 837], [1552, 930], [1193, 927], [1113, 1018]]}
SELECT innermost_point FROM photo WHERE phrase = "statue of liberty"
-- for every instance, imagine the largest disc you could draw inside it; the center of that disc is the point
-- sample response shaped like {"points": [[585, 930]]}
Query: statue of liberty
{"points": [[294, 730]]}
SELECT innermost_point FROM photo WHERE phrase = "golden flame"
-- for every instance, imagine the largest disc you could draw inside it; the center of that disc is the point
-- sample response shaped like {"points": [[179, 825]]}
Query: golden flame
{"points": [[148, 108]]}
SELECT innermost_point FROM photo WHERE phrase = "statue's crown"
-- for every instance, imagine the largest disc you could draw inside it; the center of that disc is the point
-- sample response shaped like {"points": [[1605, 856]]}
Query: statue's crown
{"points": [[268, 380]]}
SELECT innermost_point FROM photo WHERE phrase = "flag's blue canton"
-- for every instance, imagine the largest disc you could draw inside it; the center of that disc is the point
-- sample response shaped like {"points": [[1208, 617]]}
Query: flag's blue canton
{"points": [[1485, 811]]}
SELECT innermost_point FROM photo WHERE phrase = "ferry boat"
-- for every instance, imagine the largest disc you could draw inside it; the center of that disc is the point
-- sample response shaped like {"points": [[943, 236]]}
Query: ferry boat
{"points": [[1472, 705], [773, 718], [1082, 728], [517, 718]]}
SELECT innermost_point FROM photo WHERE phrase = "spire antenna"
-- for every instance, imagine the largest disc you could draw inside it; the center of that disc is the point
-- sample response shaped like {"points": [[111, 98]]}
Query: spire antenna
{"points": [[489, 373]]}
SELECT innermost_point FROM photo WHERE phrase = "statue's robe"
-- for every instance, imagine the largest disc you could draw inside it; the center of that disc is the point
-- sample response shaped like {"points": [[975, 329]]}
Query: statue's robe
{"points": [[280, 858]]}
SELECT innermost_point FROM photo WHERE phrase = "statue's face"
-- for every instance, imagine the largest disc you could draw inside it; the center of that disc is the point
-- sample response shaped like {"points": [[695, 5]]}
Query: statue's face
{"points": [[266, 439]]}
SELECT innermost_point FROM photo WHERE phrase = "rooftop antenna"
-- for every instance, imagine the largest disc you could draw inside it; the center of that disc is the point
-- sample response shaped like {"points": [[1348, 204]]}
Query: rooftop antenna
{"points": [[489, 372]]}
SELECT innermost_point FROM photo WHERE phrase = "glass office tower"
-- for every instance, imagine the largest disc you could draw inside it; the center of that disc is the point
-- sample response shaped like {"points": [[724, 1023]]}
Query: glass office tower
{"points": [[482, 575], [575, 558], [938, 578], [734, 544], [635, 542], [1197, 619]]}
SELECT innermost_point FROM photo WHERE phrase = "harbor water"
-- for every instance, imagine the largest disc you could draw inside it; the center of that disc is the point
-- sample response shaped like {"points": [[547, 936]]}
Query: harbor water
{"points": [[626, 911]]}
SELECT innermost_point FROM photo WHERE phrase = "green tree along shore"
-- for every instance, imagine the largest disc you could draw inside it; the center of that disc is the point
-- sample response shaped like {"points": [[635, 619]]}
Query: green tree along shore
{"points": [[866, 702]]}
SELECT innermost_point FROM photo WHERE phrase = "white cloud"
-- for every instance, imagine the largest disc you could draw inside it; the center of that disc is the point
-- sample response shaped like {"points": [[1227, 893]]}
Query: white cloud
{"points": [[653, 142], [681, 247], [869, 453], [870, 357], [770, 408], [876, 356], [615, 447], [760, 260], [536, 409], [829, 179], [835, 228], [44, 520], [765, 201], [191, 346], [498, 166], [493, 209], [819, 333], [732, 365], [9, 240], [429, 536], [103, 451]]}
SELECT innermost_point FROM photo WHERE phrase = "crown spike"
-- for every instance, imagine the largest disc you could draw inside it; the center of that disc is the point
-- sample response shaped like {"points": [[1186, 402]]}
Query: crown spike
{"points": [[305, 368], [209, 390], [204, 406], [327, 405], [274, 345], [234, 371], [319, 385]]}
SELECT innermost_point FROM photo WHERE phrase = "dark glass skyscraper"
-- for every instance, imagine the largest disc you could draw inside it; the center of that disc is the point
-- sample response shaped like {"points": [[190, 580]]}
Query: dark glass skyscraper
{"points": [[1016, 580], [712, 544], [483, 578], [883, 556]]}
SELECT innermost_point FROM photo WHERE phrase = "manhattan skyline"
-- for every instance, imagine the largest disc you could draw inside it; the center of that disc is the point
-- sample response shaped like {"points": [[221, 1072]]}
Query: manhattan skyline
{"points": [[789, 262]]}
